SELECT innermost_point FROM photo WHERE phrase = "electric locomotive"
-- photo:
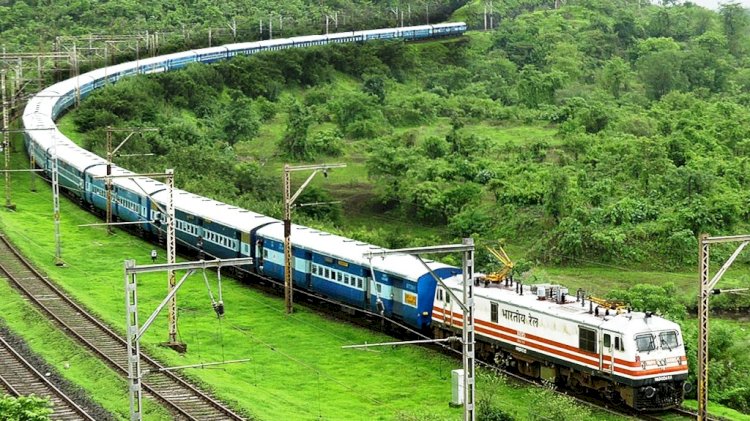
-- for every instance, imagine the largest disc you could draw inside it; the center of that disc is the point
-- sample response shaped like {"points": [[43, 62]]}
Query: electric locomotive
{"points": [[627, 357]]}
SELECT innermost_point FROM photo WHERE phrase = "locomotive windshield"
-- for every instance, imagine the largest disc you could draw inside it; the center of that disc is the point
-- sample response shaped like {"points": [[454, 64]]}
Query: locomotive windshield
{"points": [[668, 340], [645, 342]]}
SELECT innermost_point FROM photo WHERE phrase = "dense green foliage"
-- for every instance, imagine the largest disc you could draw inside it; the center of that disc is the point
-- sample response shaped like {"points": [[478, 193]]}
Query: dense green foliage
{"points": [[24, 408]]}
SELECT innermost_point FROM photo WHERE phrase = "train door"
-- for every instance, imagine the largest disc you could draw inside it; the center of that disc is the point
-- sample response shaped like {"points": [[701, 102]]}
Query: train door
{"points": [[448, 308], [366, 287], [308, 269], [607, 351]]}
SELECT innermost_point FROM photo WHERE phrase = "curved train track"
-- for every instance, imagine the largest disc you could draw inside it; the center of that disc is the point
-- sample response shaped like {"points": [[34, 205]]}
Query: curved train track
{"points": [[184, 400], [18, 377]]}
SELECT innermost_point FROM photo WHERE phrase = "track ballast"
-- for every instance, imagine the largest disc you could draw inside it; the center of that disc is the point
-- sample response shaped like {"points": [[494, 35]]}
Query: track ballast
{"points": [[18, 377]]}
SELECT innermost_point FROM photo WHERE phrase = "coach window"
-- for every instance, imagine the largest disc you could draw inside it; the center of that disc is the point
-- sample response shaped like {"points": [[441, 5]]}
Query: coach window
{"points": [[493, 312], [314, 270], [668, 340], [607, 341], [586, 339], [645, 342], [359, 282], [328, 274]]}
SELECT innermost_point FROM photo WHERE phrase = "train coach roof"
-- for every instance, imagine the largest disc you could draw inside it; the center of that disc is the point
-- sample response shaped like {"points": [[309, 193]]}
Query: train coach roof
{"points": [[243, 45], [633, 322], [448, 24], [274, 42], [308, 38], [350, 250], [211, 50], [213, 210]]}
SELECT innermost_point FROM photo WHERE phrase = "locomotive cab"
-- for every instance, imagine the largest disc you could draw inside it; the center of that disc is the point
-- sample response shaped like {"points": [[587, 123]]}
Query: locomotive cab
{"points": [[652, 361]]}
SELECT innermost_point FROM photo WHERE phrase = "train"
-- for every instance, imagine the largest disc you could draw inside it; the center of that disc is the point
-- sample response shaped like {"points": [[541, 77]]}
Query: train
{"points": [[635, 358]]}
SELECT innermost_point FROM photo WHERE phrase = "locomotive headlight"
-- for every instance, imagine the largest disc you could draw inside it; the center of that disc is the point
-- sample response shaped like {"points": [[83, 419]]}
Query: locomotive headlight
{"points": [[424, 313]]}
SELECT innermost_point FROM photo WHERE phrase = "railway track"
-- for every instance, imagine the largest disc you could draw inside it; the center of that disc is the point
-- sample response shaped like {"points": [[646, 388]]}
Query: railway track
{"points": [[18, 377], [184, 400]]}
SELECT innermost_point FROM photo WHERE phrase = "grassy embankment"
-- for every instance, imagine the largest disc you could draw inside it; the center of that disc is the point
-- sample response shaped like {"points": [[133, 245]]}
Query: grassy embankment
{"points": [[297, 369]]}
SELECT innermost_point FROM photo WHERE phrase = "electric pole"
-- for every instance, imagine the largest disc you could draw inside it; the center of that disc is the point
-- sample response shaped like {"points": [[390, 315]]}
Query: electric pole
{"points": [[6, 143], [706, 290], [288, 202]]}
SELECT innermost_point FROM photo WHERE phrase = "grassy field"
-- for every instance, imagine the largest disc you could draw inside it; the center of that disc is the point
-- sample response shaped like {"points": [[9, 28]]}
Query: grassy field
{"points": [[297, 369]]}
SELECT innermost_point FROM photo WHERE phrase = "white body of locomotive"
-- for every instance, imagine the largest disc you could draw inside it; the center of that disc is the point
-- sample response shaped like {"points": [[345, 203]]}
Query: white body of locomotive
{"points": [[633, 357]]}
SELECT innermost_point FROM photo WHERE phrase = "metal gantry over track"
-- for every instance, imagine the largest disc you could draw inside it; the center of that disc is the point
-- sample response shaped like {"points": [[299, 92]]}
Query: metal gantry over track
{"points": [[134, 331], [467, 306], [707, 288]]}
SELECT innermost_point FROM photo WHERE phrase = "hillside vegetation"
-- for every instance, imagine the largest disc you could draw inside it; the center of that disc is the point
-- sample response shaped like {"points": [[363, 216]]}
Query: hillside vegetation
{"points": [[597, 131]]}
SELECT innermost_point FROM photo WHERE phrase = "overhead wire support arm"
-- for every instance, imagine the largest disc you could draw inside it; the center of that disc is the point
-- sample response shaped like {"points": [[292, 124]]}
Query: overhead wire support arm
{"points": [[415, 342]]}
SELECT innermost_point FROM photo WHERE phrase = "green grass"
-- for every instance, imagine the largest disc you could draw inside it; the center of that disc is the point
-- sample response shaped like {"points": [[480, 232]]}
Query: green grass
{"points": [[297, 369]]}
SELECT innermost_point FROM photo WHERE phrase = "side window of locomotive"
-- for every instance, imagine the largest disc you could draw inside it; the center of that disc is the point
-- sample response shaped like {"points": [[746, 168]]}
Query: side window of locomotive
{"points": [[668, 340], [440, 294], [618, 344], [645, 342], [493, 312], [607, 341], [586, 339]]}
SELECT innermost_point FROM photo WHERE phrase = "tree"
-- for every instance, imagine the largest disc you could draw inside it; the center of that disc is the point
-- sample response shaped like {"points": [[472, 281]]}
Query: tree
{"points": [[736, 23], [295, 141], [536, 87], [615, 76], [556, 197], [24, 408], [661, 73], [662, 299], [374, 85], [240, 121]]}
